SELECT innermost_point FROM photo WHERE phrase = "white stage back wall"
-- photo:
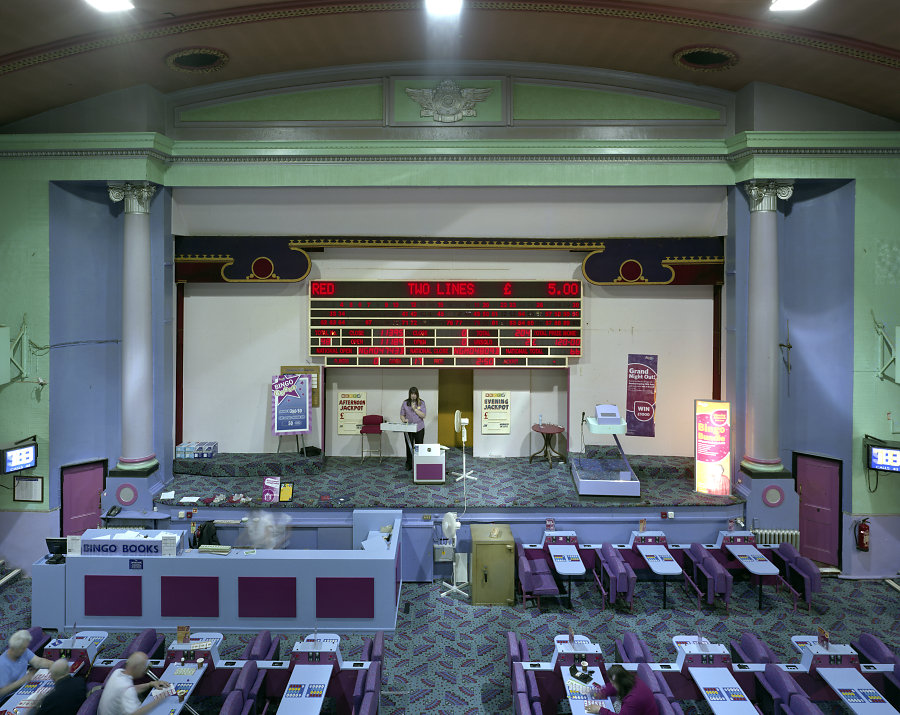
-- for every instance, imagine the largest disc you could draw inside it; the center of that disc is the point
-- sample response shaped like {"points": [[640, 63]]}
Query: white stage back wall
{"points": [[237, 336]]}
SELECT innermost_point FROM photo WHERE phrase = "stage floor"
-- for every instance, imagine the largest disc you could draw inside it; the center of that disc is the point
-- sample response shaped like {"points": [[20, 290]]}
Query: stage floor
{"points": [[348, 483]]}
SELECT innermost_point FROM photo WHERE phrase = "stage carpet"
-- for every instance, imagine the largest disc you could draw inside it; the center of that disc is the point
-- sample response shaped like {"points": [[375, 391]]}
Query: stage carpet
{"points": [[348, 483]]}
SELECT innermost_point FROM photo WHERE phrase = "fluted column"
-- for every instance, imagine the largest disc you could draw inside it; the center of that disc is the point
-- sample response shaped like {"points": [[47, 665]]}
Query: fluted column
{"points": [[137, 348], [763, 355]]}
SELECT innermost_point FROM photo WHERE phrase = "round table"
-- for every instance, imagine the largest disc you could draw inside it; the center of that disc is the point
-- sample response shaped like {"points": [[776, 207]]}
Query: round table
{"points": [[547, 432]]}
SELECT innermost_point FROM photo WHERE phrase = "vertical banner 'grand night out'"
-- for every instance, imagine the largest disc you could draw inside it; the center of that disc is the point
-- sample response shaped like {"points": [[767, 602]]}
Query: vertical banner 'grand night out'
{"points": [[640, 400]]}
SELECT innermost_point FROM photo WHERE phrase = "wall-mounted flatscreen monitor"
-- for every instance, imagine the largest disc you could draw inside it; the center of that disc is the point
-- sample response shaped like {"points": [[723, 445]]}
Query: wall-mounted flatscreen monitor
{"points": [[18, 457], [883, 458]]}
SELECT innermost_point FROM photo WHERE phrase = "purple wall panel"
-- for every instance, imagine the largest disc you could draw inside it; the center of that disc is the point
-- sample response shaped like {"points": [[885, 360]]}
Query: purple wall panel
{"points": [[345, 598], [182, 596], [267, 597], [112, 596]]}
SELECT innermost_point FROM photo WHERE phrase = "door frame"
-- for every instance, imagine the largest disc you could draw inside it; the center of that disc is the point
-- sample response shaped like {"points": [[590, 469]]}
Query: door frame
{"points": [[840, 510], [103, 460]]}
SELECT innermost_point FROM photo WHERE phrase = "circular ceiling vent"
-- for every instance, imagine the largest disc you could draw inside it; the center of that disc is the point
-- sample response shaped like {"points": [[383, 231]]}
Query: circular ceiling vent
{"points": [[197, 59], [705, 59]]}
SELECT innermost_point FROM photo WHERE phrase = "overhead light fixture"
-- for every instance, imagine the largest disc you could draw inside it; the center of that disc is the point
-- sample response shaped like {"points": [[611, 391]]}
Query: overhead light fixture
{"points": [[443, 8], [111, 5], [790, 5]]}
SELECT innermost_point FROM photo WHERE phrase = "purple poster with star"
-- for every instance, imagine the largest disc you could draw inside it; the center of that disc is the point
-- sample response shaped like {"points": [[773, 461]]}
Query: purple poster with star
{"points": [[290, 404], [640, 399]]}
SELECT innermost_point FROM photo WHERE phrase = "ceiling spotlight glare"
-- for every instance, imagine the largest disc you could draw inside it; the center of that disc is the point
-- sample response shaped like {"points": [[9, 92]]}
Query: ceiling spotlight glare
{"points": [[111, 5], [790, 5], [443, 8]]}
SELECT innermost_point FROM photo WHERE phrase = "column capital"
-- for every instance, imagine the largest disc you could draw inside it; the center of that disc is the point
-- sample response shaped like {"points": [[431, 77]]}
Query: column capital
{"points": [[136, 195], [763, 193]]}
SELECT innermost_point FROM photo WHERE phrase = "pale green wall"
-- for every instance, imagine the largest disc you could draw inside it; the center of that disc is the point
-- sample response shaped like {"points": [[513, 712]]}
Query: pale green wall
{"points": [[877, 281], [24, 287]]}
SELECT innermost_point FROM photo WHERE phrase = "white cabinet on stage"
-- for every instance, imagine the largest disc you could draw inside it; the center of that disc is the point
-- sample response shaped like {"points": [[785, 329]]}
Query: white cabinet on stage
{"points": [[428, 464]]}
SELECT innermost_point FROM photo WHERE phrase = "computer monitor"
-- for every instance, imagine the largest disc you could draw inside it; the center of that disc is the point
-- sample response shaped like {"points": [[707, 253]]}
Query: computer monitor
{"points": [[57, 545]]}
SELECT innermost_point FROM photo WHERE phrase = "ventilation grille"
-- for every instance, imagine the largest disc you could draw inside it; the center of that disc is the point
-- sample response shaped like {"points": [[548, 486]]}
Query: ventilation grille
{"points": [[777, 536]]}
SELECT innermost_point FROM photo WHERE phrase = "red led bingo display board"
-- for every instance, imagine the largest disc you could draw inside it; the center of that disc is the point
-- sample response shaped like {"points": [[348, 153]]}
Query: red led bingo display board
{"points": [[445, 323]]}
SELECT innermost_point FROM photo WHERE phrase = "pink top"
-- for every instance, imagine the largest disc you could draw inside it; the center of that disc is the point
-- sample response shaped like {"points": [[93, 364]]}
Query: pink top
{"points": [[407, 412]]}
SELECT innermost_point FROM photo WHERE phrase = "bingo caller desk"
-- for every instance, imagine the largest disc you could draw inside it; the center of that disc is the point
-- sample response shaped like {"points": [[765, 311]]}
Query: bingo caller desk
{"points": [[132, 584]]}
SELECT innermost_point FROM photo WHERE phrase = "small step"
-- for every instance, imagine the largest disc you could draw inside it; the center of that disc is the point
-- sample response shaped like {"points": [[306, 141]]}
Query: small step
{"points": [[829, 571]]}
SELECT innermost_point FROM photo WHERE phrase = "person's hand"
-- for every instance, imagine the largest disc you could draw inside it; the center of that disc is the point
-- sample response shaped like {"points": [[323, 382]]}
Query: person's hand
{"points": [[403, 419], [592, 708], [160, 684]]}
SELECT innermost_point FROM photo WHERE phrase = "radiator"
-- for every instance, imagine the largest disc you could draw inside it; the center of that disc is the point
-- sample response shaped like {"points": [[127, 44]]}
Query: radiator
{"points": [[777, 536]]}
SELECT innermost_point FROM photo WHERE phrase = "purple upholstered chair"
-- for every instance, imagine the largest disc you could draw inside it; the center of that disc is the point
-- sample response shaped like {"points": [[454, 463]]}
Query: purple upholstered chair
{"points": [[777, 688], [146, 641], [373, 680], [359, 689], [707, 576], [368, 706], [870, 648], [751, 649], [654, 681], [249, 681], [233, 704], [38, 639], [782, 555], [631, 649], [666, 707], [535, 585], [261, 647], [518, 682], [801, 705], [616, 577], [378, 647], [90, 705], [804, 579], [522, 704], [512, 651]]}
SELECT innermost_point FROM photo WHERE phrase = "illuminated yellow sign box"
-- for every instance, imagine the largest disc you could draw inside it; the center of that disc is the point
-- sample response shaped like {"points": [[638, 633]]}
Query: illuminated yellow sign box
{"points": [[712, 447]]}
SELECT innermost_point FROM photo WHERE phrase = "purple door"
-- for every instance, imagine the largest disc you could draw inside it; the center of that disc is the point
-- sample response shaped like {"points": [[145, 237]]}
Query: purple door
{"points": [[818, 485], [82, 485]]}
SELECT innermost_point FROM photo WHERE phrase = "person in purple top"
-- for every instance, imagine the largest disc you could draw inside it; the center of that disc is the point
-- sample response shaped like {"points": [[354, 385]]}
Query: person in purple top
{"points": [[412, 410], [637, 698]]}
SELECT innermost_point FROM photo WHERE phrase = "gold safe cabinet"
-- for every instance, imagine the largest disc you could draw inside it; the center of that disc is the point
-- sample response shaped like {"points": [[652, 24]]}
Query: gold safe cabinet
{"points": [[493, 565]]}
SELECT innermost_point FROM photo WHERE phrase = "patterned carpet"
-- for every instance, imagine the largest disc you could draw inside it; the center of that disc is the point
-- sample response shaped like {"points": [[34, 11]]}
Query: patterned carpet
{"points": [[348, 483], [447, 657]]}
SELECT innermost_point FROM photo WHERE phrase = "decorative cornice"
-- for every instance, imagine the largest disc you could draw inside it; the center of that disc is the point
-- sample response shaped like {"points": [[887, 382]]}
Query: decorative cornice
{"points": [[563, 244], [617, 9], [286, 158], [136, 196], [764, 193]]}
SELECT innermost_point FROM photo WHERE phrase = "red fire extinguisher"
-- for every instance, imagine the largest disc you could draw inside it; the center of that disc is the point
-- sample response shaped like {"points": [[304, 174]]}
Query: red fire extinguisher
{"points": [[862, 535]]}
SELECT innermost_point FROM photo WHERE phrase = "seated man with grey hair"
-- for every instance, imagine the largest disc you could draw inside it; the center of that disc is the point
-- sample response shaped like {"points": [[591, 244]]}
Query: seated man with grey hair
{"points": [[17, 664]]}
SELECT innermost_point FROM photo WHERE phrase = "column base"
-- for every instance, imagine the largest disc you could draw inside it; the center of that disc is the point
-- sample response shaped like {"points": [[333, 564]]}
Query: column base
{"points": [[135, 469], [776, 467]]}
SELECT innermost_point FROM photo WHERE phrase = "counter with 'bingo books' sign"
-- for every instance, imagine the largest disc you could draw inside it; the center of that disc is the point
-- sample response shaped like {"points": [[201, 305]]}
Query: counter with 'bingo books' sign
{"points": [[121, 580]]}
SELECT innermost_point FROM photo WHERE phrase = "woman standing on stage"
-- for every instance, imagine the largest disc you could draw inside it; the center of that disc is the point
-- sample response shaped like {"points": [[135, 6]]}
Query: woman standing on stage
{"points": [[412, 410]]}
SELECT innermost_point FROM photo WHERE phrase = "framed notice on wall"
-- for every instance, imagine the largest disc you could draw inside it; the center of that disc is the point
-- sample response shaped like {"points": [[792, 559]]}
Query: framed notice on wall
{"points": [[351, 409], [495, 412], [28, 489], [290, 404]]}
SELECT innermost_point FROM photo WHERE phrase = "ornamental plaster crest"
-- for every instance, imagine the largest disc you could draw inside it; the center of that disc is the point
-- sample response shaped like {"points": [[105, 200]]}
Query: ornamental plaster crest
{"points": [[448, 102]]}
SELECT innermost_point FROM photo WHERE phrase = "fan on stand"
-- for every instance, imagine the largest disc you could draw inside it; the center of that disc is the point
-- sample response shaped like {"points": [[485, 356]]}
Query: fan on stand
{"points": [[449, 526], [459, 424]]}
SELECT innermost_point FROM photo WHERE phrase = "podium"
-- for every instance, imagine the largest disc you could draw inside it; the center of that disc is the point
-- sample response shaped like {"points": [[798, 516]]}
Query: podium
{"points": [[428, 464], [606, 477]]}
